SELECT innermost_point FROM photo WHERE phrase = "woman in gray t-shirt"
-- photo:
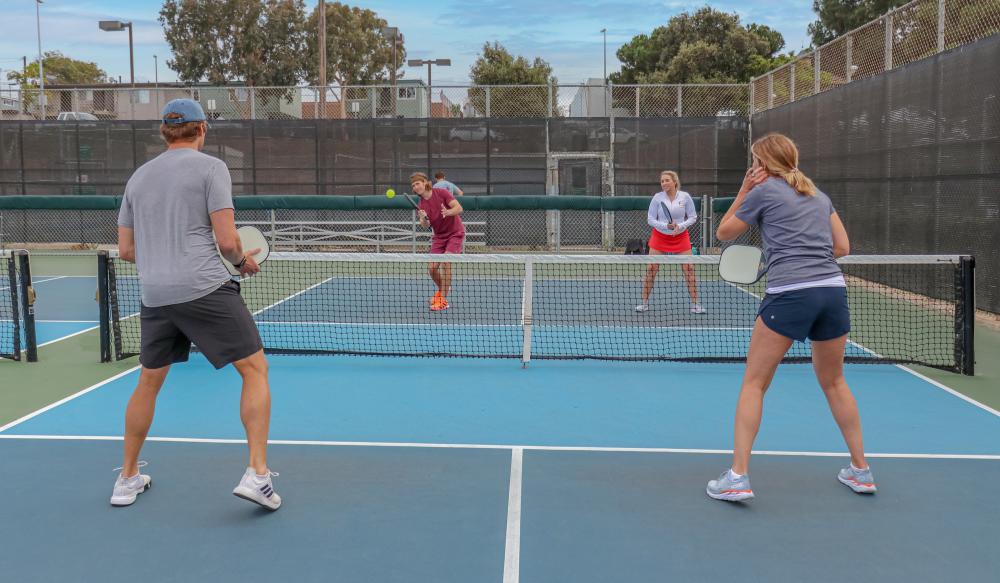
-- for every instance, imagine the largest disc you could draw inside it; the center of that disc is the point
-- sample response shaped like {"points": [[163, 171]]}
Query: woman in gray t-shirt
{"points": [[806, 298]]}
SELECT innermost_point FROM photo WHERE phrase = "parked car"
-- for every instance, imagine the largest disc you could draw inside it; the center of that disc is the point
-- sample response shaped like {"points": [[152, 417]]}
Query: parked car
{"points": [[472, 133], [76, 116]]}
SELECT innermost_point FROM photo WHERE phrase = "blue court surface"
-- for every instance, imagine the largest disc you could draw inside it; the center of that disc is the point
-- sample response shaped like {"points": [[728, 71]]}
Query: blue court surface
{"points": [[467, 470], [64, 306]]}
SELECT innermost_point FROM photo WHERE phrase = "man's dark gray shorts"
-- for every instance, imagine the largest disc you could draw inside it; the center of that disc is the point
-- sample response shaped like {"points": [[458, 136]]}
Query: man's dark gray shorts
{"points": [[219, 324]]}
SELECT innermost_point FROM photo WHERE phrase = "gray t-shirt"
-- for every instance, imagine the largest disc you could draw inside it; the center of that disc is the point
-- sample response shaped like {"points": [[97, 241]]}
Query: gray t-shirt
{"points": [[798, 238], [450, 187], [167, 203]]}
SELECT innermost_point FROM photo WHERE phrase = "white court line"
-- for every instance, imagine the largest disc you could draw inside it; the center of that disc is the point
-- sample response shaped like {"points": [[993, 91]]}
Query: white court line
{"points": [[47, 278], [512, 547], [68, 336], [69, 321], [950, 390], [66, 400], [504, 447], [907, 369], [296, 294]]}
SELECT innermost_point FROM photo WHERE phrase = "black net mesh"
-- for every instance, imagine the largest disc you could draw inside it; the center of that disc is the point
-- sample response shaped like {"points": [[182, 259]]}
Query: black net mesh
{"points": [[8, 308], [498, 156], [911, 158], [509, 306]]}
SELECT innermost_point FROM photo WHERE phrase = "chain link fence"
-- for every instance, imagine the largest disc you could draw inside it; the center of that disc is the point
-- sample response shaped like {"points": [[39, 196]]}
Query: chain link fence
{"points": [[484, 156], [407, 99], [909, 33]]}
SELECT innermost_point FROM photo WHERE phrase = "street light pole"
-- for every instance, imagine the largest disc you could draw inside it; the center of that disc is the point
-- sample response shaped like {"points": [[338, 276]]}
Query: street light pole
{"points": [[604, 32], [41, 68], [430, 87], [321, 16], [156, 72], [131, 55], [392, 33], [117, 25]]}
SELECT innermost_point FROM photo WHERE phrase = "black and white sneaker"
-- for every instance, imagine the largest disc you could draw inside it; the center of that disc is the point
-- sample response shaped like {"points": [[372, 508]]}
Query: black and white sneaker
{"points": [[258, 489]]}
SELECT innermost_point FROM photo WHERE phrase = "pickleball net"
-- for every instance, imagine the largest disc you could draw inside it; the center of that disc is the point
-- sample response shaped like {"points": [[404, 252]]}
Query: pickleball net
{"points": [[904, 309]]}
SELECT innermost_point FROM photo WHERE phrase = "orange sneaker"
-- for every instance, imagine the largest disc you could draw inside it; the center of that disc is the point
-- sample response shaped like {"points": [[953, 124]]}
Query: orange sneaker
{"points": [[442, 304], [437, 298]]}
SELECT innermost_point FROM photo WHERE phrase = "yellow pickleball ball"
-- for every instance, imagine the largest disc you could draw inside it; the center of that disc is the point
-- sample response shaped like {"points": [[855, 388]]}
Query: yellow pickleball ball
{"points": [[390, 193]]}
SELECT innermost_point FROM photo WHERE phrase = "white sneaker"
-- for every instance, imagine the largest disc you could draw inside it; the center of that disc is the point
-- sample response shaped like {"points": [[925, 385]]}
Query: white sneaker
{"points": [[128, 489], [642, 308], [697, 309], [258, 489]]}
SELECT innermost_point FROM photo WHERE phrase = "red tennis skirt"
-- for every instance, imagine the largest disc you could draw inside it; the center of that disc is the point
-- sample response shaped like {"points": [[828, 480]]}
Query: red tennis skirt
{"points": [[670, 243]]}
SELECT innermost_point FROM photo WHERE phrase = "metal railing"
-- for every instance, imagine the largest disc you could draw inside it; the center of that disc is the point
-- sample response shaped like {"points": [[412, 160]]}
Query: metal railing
{"points": [[407, 100], [904, 35]]}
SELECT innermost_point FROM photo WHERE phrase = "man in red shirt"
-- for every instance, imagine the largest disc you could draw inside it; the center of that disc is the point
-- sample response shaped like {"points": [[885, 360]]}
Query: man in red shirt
{"points": [[439, 210]]}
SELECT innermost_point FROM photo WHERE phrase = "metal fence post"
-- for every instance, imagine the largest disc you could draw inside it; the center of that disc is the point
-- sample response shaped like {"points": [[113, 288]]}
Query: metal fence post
{"points": [[791, 83], [705, 225], [489, 98], [609, 101], [888, 42], [274, 230], [850, 48], [636, 100], [253, 103], [770, 90], [548, 98], [816, 71], [374, 98], [940, 26]]}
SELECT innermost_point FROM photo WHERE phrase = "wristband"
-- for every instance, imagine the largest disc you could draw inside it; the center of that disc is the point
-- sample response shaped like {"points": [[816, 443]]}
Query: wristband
{"points": [[241, 263]]}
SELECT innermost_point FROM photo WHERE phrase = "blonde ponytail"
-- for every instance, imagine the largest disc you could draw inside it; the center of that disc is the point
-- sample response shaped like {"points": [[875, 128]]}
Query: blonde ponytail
{"points": [[779, 154], [799, 181]]}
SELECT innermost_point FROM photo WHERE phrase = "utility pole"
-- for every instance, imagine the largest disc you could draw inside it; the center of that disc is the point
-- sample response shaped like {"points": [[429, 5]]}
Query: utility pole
{"points": [[322, 62]]}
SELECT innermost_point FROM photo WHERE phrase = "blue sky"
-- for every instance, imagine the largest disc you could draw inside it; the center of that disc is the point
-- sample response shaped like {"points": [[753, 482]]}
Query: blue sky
{"points": [[566, 33]]}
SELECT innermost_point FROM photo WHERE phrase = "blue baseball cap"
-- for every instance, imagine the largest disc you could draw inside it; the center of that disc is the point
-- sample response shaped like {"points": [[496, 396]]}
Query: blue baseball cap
{"points": [[187, 109]]}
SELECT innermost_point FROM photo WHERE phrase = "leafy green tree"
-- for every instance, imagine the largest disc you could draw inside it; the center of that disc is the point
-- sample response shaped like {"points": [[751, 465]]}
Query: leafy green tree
{"points": [[59, 69], [708, 46], [257, 42], [497, 66], [357, 53], [835, 17]]}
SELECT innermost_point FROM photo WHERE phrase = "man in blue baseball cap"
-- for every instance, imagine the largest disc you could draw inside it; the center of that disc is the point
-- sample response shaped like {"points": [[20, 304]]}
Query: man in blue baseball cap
{"points": [[177, 207]]}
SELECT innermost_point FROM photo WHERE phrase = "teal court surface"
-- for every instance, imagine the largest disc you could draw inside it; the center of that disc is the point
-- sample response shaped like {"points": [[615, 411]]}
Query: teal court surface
{"points": [[402, 469]]}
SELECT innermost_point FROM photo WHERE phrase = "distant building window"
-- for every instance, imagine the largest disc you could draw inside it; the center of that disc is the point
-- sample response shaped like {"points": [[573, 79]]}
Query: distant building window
{"points": [[239, 94], [407, 92], [144, 97]]}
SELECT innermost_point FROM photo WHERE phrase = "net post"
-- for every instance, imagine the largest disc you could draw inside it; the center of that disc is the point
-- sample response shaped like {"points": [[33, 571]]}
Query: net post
{"points": [[114, 309], [526, 311], [104, 305], [965, 316], [28, 306], [15, 316]]}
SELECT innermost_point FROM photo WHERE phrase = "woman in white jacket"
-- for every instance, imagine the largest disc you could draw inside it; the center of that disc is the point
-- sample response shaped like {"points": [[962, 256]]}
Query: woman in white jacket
{"points": [[670, 214]]}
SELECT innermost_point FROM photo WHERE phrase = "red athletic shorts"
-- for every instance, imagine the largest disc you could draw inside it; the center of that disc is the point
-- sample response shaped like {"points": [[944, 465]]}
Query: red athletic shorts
{"points": [[452, 244]]}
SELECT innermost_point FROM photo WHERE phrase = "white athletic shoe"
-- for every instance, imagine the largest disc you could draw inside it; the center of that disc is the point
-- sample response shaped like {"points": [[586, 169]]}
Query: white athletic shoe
{"points": [[697, 309], [258, 489], [128, 489], [642, 308]]}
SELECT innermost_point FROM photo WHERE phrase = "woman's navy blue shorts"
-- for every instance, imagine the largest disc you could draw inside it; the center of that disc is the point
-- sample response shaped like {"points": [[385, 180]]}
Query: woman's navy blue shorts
{"points": [[816, 313]]}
